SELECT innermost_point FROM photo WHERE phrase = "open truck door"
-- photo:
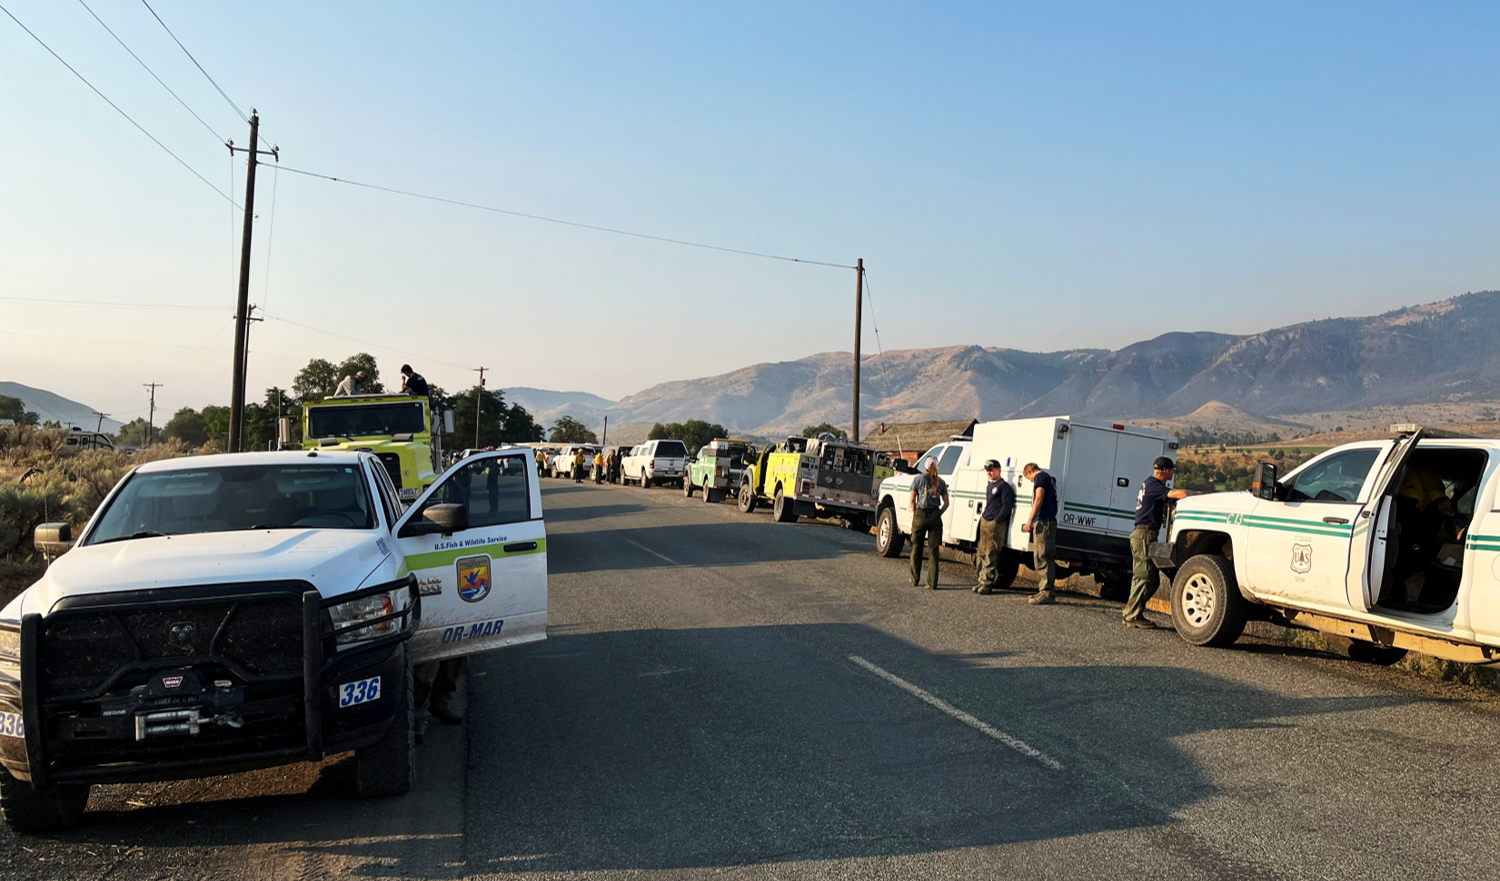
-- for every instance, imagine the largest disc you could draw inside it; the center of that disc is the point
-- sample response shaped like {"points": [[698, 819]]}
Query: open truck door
{"points": [[477, 543]]}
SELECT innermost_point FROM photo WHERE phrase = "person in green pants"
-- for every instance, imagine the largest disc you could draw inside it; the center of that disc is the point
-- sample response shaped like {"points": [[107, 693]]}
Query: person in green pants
{"points": [[929, 499], [1150, 514]]}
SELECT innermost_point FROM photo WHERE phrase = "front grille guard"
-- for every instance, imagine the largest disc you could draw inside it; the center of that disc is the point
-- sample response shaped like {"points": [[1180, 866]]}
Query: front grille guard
{"points": [[321, 665]]}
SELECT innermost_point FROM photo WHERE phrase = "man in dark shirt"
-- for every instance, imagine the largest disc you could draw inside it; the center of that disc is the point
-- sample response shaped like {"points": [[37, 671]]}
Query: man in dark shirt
{"points": [[994, 524], [1150, 514], [1042, 524], [412, 382]]}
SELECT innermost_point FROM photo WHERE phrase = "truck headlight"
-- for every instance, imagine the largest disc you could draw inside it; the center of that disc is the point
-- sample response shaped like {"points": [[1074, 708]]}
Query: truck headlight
{"points": [[367, 611]]}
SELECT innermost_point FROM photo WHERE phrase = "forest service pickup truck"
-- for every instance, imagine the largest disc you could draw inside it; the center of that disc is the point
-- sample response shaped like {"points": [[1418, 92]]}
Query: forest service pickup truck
{"points": [[224, 613], [1391, 544]]}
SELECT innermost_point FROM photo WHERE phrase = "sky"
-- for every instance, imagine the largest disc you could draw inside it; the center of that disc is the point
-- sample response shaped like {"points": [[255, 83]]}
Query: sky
{"points": [[1037, 176]]}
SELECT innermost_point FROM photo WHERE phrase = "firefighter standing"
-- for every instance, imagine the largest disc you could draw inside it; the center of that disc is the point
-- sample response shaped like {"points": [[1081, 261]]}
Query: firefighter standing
{"points": [[599, 467], [578, 465]]}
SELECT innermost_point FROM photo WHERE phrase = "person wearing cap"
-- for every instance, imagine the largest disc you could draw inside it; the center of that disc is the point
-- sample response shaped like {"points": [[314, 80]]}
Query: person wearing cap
{"points": [[929, 499], [350, 385], [1150, 514], [599, 466], [994, 523], [1042, 524]]}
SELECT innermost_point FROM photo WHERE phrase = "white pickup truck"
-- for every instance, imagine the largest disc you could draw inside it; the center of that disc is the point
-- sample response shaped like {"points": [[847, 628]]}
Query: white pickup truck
{"points": [[223, 613], [1392, 544], [655, 462], [1098, 467]]}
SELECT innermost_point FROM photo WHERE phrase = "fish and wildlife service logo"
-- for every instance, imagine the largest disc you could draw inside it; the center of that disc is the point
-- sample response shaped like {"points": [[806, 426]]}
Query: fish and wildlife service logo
{"points": [[474, 577], [1301, 558]]}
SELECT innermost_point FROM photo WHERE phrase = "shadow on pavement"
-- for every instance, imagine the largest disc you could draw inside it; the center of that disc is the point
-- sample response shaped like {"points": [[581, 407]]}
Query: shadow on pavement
{"points": [[674, 749], [722, 543], [592, 512]]}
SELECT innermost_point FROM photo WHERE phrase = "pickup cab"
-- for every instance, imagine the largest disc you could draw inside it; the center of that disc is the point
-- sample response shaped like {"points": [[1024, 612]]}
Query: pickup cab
{"points": [[655, 462], [717, 468], [561, 464], [1392, 544], [397, 429], [232, 612], [1098, 467]]}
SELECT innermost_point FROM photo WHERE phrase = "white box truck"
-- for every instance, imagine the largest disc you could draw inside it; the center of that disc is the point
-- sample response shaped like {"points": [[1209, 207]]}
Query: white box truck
{"points": [[1098, 466]]}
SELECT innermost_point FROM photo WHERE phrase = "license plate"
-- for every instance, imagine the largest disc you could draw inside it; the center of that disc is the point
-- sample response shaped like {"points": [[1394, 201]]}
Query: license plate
{"points": [[351, 693], [11, 725]]}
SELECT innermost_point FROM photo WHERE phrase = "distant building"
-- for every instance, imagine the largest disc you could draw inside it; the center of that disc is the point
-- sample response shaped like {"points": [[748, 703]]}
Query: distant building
{"points": [[910, 440]]}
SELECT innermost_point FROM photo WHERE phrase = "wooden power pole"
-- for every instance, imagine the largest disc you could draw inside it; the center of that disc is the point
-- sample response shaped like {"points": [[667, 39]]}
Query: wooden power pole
{"points": [[242, 304], [859, 301]]}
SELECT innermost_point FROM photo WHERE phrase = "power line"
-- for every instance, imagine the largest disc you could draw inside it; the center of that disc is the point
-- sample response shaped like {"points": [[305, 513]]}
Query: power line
{"points": [[115, 106], [211, 131], [884, 380], [243, 117], [98, 304], [618, 232], [363, 342]]}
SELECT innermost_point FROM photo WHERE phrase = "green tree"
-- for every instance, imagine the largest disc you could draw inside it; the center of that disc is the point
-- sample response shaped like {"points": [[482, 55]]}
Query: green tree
{"points": [[186, 425], [133, 434], [498, 422], [216, 425], [815, 430], [694, 433], [15, 410], [316, 381], [567, 430]]}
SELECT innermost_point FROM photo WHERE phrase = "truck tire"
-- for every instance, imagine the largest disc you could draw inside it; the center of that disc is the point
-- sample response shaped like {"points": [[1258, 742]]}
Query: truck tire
{"points": [[30, 812], [888, 537], [1207, 608], [687, 489], [389, 765], [783, 510], [747, 498], [645, 481], [709, 496]]}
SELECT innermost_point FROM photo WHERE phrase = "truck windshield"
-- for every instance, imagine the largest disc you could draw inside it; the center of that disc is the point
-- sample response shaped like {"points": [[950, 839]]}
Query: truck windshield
{"points": [[671, 449], [291, 496], [365, 420]]}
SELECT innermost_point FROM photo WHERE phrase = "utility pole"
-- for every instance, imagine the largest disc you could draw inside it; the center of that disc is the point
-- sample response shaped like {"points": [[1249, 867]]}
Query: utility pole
{"points": [[151, 415], [478, 405], [242, 305], [100, 427], [606, 432], [859, 301]]}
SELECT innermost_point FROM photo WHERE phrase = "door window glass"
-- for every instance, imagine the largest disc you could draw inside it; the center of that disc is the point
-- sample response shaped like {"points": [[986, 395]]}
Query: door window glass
{"points": [[1335, 479], [950, 459], [385, 499], [494, 488], [934, 453]]}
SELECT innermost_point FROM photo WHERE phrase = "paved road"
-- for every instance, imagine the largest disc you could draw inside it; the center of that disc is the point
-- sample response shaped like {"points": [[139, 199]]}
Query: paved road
{"points": [[720, 694]]}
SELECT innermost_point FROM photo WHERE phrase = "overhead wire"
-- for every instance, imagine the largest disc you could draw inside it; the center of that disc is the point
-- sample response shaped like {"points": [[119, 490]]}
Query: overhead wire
{"points": [[243, 117], [351, 339], [144, 66], [572, 223], [884, 380], [265, 291], [100, 304], [127, 116]]}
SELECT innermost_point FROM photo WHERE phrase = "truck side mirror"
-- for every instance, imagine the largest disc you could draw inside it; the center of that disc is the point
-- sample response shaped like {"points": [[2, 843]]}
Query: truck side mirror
{"points": [[1264, 484], [53, 540], [439, 519]]}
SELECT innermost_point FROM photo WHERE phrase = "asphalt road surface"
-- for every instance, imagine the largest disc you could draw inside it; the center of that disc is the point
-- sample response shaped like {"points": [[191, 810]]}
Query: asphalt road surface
{"points": [[723, 695]]}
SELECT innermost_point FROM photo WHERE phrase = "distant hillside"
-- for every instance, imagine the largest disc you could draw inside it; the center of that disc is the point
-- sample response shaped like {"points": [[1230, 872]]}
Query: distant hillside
{"points": [[1418, 355], [55, 407], [546, 407]]}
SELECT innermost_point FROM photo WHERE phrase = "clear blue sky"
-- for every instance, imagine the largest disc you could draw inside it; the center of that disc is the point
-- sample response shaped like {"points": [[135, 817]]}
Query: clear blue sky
{"points": [[1041, 176]]}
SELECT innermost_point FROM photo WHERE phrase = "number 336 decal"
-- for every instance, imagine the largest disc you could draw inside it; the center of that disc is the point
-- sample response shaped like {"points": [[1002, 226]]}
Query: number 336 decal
{"points": [[351, 693]]}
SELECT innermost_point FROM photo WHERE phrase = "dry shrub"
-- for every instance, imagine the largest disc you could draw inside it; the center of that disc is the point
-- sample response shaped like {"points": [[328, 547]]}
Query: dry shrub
{"points": [[61, 484]]}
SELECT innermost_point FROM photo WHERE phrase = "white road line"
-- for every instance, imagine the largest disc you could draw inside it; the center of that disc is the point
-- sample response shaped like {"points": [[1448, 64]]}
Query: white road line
{"points": [[1014, 743], [653, 553]]}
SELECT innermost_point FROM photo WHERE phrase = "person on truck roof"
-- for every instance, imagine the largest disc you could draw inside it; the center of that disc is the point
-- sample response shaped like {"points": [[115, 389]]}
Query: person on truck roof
{"points": [[929, 501], [350, 385], [1150, 513], [412, 382], [994, 524], [1042, 524]]}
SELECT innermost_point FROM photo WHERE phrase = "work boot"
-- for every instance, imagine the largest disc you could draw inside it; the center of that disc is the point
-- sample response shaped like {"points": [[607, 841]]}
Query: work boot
{"points": [[1042, 598], [1140, 623]]}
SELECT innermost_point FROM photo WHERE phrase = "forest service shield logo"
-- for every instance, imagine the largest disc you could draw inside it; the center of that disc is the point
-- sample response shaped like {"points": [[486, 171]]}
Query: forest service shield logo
{"points": [[1301, 558], [474, 577]]}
